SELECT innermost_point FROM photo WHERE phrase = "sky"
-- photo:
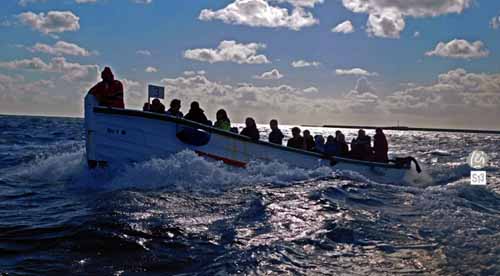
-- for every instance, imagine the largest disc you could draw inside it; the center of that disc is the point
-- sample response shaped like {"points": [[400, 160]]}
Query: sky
{"points": [[432, 63]]}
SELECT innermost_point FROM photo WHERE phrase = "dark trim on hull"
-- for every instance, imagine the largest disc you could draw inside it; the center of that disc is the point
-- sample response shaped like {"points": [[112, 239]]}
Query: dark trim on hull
{"points": [[184, 122]]}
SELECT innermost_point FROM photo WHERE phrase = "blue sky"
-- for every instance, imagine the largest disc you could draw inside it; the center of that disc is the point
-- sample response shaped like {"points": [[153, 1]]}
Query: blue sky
{"points": [[401, 71]]}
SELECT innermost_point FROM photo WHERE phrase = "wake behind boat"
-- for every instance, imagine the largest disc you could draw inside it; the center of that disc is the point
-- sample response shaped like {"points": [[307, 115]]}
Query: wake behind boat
{"points": [[117, 136]]}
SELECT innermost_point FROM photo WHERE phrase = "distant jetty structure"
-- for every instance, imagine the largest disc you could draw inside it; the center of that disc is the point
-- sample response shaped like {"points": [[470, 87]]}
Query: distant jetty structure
{"points": [[406, 128]]}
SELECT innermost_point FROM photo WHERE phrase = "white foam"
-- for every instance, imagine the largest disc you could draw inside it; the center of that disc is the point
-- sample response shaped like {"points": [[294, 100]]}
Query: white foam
{"points": [[186, 171], [356, 176], [421, 180], [439, 152], [60, 166]]}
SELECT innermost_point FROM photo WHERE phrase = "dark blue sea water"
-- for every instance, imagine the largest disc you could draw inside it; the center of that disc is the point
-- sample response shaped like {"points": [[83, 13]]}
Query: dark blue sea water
{"points": [[185, 215]]}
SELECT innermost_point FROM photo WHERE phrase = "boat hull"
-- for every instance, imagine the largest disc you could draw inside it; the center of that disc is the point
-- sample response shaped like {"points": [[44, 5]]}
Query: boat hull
{"points": [[118, 136]]}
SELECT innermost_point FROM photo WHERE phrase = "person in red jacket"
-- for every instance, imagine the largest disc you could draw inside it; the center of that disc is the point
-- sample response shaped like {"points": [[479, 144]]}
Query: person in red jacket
{"points": [[108, 92], [380, 146]]}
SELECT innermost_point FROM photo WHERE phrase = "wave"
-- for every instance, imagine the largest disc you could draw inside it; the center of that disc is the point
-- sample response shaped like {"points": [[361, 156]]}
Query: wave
{"points": [[186, 171], [438, 152], [443, 174], [61, 166]]}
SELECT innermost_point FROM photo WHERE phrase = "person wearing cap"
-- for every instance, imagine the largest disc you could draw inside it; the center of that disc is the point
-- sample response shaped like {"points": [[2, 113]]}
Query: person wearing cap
{"points": [[108, 92]]}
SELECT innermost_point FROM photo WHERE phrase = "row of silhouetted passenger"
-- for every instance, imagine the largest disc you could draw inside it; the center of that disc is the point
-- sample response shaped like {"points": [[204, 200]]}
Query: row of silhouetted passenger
{"points": [[333, 146]]}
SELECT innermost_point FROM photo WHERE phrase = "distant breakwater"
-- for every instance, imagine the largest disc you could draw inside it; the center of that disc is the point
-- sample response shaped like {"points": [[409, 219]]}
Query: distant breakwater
{"points": [[405, 128]]}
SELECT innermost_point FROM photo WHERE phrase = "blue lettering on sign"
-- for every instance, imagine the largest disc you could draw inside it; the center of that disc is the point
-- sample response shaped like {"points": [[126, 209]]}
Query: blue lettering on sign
{"points": [[116, 131]]}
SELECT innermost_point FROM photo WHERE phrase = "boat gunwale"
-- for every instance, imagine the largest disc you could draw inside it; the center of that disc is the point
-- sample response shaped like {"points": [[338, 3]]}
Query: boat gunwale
{"points": [[210, 129]]}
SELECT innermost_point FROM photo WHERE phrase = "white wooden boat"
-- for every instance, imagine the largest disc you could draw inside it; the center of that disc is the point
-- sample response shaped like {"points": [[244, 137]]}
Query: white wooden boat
{"points": [[118, 136]]}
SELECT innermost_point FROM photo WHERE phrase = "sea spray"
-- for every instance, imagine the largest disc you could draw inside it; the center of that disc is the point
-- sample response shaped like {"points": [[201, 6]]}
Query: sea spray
{"points": [[60, 166], [186, 171]]}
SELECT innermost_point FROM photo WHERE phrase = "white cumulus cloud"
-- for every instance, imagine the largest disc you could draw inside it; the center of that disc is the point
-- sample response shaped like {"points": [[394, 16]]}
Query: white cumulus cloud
{"points": [[70, 71], [388, 24], [386, 17], [28, 64], [61, 48], [355, 72], [271, 75], [303, 63], [456, 90], [135, 94], [17, 92], [345, 27], [459, 48], [74, 71], [51, 22], [259, 13], [151, 69], [281, 101], [311, 89], [24, 3], [194, 73], [229, 51], [143, 52], [301, 3]]}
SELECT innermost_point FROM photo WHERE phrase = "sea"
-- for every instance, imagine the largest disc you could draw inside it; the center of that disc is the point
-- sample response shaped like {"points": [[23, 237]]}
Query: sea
{"points": [[185, 215]]}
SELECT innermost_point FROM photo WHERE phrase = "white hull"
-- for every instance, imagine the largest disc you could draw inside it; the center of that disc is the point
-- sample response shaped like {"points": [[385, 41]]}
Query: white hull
{"points": [[117, 136]]}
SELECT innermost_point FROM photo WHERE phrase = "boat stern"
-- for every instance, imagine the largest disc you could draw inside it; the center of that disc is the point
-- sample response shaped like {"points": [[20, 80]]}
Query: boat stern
{"points": [[89, 125]]}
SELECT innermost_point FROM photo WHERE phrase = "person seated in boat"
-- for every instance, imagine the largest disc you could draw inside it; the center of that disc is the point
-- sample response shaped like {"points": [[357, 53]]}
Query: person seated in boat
{"points": [[297, 141], [197, 114], [319, 144], [251, 130], [308, 141], [157, 107], [361, 146], [108, 92], [342, 147], [331, 146], [276, 136], [380, 146], [223, 121], [146, 107], [175, 108]]}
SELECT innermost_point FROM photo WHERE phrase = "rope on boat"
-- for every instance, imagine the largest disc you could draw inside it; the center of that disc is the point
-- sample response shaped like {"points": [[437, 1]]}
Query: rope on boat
{"points": [[406, 161]]}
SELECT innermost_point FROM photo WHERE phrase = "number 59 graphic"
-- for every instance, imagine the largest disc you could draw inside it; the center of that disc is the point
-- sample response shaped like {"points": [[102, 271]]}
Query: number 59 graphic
{"points": [[478, 177]]}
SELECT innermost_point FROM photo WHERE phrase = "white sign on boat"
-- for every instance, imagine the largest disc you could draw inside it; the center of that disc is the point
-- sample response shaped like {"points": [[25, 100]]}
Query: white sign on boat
{"points": [[155, 91]]}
